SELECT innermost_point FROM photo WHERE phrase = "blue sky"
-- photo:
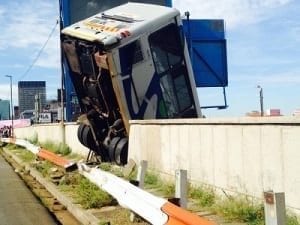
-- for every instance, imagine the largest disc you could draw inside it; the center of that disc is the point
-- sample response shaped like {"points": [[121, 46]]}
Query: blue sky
{"points": [[263, 47]]}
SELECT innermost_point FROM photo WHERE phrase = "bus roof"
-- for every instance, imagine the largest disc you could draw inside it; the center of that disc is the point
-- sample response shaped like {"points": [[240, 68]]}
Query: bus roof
{"points": [[120, 23]]}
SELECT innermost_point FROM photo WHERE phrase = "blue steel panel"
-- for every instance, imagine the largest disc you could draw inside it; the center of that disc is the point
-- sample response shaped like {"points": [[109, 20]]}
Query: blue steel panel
{"points": [[68, 86], [207, 47]]}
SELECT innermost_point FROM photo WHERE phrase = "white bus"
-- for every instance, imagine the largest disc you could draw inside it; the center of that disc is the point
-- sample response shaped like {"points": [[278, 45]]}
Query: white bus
{"points": [[129, 62]]}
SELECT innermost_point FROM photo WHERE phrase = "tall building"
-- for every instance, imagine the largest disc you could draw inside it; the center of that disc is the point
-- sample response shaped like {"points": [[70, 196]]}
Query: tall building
{"points": [[27, 90], [4, 109]]}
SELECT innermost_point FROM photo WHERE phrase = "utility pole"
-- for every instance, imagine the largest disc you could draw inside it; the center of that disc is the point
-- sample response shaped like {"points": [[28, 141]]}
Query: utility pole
{"points": [[261, 100], [62, 122], [11, 106]]}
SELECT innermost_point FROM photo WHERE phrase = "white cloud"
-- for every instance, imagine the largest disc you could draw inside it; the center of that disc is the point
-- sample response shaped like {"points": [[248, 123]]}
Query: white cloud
{"points": [[282, 79], [26, 26], [51, 54], [5, 92], [235, 13]]}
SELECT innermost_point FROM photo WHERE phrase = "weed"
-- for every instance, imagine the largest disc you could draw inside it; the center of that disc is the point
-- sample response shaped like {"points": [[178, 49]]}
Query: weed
{"points": [[22, 153], [241, 209], [168, 189], [87, 194], [27, 156], [132, 175], [204, 197], [90, 196], [44, 167], [74, 157], [152, 180], [116, 171], [105, 166], [292, 220], [60, 148], [64, 149], [34, 139], [11, 147]]}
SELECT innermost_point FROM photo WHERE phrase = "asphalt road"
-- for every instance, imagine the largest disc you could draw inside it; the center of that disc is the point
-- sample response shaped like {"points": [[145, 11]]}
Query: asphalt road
{"points": [[18, 206]]}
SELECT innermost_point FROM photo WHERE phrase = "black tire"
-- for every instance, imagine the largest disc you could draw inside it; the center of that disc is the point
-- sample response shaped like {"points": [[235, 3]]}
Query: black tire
{"points": [[112, 148], [79, 133], [121, 152], [88, 139]]}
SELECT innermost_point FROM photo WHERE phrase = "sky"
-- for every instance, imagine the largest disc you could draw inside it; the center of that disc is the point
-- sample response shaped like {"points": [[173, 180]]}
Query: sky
{"points": [[263, 48]]}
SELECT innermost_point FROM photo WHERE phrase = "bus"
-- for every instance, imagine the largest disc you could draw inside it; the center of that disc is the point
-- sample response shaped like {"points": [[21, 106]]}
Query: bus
{"points": [[128, 62]]}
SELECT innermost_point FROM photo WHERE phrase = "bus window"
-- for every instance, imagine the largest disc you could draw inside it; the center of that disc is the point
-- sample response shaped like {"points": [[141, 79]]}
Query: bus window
{"points": [[168, 59]]}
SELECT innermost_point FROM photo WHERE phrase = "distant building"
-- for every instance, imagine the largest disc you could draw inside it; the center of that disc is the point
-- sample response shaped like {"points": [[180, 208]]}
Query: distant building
{"points": [[273, 112], [296, 112], [253, 113], [4, 109], [27, 92], [16, 112]]}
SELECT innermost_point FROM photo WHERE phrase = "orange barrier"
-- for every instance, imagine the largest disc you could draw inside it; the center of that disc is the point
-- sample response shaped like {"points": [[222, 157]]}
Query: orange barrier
{"points": [[56, 159], [179, 216]]}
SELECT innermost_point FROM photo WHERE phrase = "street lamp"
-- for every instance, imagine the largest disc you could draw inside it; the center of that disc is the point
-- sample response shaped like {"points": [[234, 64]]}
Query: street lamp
{"points": [[11, 106], [261, 100]]}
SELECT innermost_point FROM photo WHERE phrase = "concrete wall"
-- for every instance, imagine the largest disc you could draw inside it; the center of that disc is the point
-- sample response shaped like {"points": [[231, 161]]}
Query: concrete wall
{"points": [[246, 155], [54, 132]]}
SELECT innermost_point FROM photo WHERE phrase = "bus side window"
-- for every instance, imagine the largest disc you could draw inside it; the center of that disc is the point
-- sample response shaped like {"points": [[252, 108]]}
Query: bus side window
{"points": [[168, 57]]}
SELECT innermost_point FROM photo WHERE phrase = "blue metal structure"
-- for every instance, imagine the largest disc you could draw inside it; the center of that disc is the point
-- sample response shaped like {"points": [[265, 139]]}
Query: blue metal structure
{"points": [[207, 48]]}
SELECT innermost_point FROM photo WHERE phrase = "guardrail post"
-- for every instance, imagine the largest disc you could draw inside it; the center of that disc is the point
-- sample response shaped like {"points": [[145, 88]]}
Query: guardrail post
{"points": [[181, 187], [142, 173], [140, 178], [274, 204]]}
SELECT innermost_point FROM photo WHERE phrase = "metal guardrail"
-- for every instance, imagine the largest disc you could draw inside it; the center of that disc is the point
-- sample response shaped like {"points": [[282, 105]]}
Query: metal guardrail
{"points": [[42, 153], [156, 210]]}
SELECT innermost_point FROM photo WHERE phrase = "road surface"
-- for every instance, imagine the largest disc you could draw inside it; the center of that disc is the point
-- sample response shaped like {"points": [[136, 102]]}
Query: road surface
{"points": [[18, 206]]}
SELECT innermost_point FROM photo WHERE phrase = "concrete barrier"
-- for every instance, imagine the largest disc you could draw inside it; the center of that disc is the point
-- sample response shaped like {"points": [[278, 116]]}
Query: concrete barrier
{"points": [[54, 132], [239, 155], [242, 155]]}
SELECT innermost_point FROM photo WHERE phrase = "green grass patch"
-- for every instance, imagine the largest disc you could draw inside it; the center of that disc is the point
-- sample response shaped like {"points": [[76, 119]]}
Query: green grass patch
{"points": [[203, 196], [34, 139], [90, 196], [60, 148], [44, 167], [26, 156], [12, 146], [292, 220], [241, 209], [152, 180], [75, 157], [85, 193], [105, 166], [168, 189], [132, 175]]}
